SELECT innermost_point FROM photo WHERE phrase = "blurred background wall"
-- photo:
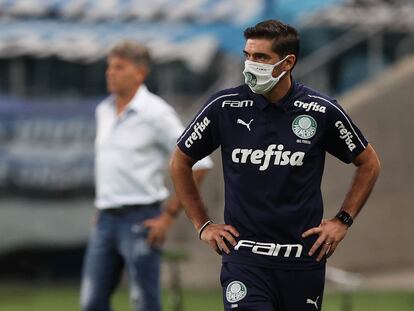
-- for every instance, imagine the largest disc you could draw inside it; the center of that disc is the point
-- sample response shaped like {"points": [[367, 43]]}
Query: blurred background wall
{"points": [[52, 64]]}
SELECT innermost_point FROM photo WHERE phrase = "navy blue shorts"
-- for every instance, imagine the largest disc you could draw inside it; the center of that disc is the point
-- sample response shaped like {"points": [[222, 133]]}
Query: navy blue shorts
{"points": [[251, 288]]}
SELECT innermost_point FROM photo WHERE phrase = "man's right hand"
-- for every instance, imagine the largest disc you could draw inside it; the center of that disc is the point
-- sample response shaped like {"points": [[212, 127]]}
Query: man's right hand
{"points": [[219, 236]]}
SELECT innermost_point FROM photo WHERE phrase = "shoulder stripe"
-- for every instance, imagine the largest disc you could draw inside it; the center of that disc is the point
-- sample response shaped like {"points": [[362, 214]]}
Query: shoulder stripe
{"points": [[201, 112], [349, 122]]}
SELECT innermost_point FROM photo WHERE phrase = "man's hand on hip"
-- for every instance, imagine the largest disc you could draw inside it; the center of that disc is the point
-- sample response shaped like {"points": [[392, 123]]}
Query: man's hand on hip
{"points": [[330, 232], [219, 237]]}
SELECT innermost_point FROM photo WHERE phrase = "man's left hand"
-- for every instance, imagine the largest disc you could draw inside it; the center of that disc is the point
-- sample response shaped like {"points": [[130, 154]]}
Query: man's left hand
{"points": [[330, 232], [158, 228]]}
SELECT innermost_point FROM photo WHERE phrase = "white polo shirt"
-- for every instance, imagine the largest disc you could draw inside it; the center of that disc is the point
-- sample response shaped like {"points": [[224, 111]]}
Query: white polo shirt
{"points": [[132, 151]]}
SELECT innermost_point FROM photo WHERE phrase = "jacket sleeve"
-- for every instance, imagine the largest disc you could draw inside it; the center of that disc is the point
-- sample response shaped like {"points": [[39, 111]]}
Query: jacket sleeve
{"points": [[202, 135], [344, 140], [169, 127]]}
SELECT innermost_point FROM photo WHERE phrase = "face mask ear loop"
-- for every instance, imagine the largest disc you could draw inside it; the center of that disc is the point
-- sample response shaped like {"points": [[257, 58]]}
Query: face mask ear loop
{"points": [[277, 64], [281, 75]]}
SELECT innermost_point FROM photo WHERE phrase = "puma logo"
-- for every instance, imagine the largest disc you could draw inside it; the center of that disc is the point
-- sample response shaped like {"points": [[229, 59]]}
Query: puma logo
{"points": [[240, 121], [315, 303]]}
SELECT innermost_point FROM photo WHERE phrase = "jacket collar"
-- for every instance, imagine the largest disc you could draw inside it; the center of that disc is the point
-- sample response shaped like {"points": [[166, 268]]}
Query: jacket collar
{"points": [[284, 103], [137, 102]]}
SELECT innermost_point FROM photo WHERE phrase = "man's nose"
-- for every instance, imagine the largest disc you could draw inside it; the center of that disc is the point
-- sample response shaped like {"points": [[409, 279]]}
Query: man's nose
{"points": [[110, 73]]}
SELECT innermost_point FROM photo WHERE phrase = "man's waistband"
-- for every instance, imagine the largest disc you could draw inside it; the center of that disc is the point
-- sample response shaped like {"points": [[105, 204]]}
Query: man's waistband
{"points": [[123, 209]]}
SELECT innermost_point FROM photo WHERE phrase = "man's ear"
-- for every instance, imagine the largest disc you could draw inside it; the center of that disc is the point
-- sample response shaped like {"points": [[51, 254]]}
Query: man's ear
{"points": [[289, 63], [142, 73]]}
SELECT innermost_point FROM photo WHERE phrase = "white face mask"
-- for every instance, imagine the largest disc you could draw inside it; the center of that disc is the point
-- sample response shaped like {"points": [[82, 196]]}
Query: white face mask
{"points": [[259, 77]]}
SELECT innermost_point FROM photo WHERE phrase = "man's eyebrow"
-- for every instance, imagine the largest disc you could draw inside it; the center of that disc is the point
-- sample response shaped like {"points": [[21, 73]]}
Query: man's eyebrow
{"points": [[261, 54], [257, 54]]}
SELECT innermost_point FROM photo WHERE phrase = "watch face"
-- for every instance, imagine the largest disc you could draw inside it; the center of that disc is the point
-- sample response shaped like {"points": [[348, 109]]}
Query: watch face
{"points": [[345, 218]]}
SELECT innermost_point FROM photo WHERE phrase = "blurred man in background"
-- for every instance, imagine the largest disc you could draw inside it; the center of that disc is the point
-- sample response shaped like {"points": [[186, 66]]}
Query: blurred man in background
{"points": [[136, 133], [274, 134]]}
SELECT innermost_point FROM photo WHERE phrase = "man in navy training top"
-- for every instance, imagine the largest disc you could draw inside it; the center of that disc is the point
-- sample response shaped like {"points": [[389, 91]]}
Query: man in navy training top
{"points": [[274, 134]]}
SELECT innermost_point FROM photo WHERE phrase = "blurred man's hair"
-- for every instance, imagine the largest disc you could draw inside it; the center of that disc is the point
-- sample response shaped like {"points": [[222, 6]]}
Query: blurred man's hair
{"points": [[285, 37], [133, 51]]}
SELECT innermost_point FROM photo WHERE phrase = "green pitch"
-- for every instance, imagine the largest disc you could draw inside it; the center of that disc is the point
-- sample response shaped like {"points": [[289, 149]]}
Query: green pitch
{"points": [[37, 297]]}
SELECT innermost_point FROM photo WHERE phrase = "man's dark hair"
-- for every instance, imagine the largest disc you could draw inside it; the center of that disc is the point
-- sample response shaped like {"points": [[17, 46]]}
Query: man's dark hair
{"points": [[285, 37]]}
